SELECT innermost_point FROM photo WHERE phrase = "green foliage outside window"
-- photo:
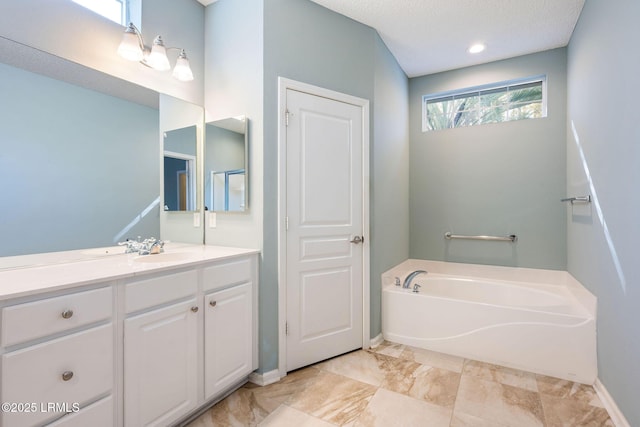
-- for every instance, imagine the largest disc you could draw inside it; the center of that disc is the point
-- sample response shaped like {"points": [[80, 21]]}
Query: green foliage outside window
{"points": [[490, 105]]}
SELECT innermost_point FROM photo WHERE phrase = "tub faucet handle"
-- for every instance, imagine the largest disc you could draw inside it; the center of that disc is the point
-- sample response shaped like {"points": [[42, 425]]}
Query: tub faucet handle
{"points": [[397, 281], [416, 288]]}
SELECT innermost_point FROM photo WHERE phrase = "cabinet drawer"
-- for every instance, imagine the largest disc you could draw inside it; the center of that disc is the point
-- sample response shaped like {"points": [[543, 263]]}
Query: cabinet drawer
{"points": [[98, 414], [228, 273], [37, 373], [24, 322], [151, 292]]}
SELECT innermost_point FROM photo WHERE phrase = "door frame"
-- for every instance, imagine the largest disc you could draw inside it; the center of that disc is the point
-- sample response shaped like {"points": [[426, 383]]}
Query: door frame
{"points": [[191, 177], [283, 85]]}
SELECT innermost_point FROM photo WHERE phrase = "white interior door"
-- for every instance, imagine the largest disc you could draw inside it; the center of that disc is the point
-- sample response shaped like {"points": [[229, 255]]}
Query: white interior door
{"points": [[324, 210]]}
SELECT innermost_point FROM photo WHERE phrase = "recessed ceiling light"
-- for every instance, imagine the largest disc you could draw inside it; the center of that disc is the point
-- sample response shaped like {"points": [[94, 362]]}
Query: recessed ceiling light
{"points": [[477, 48]]}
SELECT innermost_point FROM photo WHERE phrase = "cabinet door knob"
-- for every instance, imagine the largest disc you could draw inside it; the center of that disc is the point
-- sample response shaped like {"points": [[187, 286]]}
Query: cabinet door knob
{"points": [[67, 314], [67, 375], [213, 303], [194, 309]]}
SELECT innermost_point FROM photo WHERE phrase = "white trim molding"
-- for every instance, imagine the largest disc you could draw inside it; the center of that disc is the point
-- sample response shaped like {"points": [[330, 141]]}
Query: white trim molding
{"points": [[265, 378], [610, 405], [376, 341], [283, 85]]}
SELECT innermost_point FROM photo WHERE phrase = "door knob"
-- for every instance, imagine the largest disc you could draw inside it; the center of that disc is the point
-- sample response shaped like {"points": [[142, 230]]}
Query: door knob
{"points": [[357, 240]]}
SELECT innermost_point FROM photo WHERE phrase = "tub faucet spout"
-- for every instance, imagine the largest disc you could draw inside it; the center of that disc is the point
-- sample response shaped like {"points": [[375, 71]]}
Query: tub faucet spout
{"points": [[410, 277]]}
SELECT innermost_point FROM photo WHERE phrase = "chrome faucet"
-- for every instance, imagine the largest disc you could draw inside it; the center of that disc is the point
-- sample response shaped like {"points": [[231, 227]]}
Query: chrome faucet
{"points": [[151, 246], [132, 245], [410, 277], [145, 247]]}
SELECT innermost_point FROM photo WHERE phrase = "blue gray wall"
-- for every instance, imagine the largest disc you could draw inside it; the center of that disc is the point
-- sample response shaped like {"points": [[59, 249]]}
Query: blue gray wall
{"points": [[224, 150], [389, 173], [496, 179], [308, 43], [76, 166], [603, 159], [234, 64]]}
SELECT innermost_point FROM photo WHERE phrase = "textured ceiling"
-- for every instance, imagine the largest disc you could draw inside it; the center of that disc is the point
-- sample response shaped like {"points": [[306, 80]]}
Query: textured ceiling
{"points": [[429, 36]]}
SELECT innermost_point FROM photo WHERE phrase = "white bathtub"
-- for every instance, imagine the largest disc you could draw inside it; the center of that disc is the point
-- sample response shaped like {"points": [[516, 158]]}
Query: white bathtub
{"points": [[540, 321]]}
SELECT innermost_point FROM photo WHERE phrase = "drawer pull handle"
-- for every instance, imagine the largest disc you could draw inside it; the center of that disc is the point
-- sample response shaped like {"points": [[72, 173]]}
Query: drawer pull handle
{"points": [[67, 314], [194, 309], [213, 303], [67, 375]]}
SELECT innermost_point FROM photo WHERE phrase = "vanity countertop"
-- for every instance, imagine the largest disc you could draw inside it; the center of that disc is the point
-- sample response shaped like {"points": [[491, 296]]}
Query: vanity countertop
{"points": [[64, 270]]}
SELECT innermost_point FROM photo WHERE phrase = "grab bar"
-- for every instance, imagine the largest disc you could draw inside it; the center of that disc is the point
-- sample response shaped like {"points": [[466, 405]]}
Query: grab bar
{"points": [[510, 238], [579, 199]]}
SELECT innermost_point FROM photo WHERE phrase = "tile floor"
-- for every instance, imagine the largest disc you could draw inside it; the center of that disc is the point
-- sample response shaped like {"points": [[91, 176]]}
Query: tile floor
{"points": [[397, 385]]}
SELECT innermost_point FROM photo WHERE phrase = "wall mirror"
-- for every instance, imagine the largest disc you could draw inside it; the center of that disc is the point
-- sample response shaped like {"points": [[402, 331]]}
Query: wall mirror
{"points": [[179, 164], [85, 146], [180, 160], [226, 171]]}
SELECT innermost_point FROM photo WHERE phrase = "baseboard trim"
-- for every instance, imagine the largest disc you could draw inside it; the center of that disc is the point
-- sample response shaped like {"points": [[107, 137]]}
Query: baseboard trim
{"points": [[376, 341], [265, 378], [610, 405]]}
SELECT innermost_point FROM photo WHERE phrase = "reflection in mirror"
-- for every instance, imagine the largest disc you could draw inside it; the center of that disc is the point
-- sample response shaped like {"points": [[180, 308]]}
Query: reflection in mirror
{"points": [[79, 162], [180, 169], [181, 185], [226, 168]]}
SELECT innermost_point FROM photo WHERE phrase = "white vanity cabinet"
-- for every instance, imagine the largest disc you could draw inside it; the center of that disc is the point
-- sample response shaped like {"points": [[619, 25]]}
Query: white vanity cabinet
{"points": [[160, 348], [57, 357], [127, 342], [228, 344], [188, 338]]}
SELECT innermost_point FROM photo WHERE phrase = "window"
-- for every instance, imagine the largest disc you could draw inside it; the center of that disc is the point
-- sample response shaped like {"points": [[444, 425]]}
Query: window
{"points": [[495, 103], [115, 10]]}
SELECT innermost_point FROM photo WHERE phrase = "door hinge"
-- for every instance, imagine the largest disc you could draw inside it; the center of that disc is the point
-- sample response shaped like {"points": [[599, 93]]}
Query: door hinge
{"points": [[286, 117], [286, 223], [286, 328]]}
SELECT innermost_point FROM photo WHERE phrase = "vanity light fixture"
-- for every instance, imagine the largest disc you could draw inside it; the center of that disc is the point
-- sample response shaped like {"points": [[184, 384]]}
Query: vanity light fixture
{"points": [[132, 47], [477, 48]]}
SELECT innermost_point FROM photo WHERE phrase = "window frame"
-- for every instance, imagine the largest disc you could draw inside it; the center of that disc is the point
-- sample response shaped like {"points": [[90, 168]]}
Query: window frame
{"points": [[502, 85], [125, 13]]}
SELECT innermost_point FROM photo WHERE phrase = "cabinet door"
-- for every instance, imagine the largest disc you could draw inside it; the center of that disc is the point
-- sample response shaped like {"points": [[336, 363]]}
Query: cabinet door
{"points": [[227, 337], [160, 365]]}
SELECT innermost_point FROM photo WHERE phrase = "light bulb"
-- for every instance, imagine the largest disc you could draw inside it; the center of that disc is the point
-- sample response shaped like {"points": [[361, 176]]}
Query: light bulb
{"points": [[130, 45], [477, 48], [182, 70], [157, 59]]}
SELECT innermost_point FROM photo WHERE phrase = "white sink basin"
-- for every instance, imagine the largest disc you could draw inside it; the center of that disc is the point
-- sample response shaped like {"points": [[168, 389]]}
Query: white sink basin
{"points": [[163, 257]]}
